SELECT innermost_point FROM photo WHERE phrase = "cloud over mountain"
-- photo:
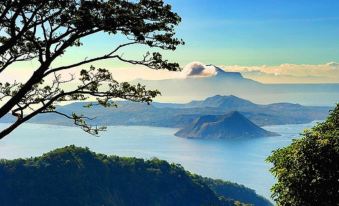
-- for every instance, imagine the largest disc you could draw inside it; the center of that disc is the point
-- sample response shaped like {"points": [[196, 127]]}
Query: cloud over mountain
{"points": [[284, 73], [197, 69]]}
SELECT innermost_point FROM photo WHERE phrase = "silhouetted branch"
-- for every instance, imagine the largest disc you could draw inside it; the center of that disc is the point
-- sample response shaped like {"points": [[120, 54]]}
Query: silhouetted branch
{"points": [[45, 29]]}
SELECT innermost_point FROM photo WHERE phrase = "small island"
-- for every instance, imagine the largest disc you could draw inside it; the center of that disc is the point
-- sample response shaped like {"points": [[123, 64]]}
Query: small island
{"points": [[229, 126]]}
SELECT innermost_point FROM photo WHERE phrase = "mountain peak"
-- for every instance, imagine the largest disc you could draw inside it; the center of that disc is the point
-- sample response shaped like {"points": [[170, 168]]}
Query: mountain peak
{"points": [[235, 114], [220, 73], [197, 69], [223, 97], [230, 125], [220, 101]]}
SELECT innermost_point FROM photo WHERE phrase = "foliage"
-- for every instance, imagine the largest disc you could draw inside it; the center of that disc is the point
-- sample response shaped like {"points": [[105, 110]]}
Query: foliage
{"points": [[43, 30], [307, 171], [237, 192], [76, 176]]}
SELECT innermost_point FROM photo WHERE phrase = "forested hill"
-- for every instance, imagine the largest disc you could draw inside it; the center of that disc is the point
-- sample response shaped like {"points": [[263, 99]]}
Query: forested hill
{"points": [[76, 176]]}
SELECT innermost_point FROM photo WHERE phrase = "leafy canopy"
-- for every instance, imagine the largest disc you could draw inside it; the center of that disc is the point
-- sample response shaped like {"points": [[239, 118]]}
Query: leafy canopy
{"points": [[42, 30], [307, 171], [76, 176]]}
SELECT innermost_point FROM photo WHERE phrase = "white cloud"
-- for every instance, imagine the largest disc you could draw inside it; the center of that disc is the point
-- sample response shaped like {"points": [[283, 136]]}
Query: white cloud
{"points": [[191, 70], [284, 73], [197, 69], [290, 73]]}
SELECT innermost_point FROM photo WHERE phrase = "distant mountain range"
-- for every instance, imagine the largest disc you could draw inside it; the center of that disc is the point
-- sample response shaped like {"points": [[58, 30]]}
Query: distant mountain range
{"points": [[226, 83], [229, 126], [217, 101], [183, 115]]}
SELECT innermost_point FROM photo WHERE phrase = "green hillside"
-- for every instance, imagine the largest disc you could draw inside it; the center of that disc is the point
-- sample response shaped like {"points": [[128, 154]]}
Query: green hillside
{"points": [[76, 176]]}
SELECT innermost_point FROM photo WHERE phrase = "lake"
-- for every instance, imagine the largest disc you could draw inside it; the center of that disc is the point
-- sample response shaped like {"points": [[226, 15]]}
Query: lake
{"points": [[241, 161]]}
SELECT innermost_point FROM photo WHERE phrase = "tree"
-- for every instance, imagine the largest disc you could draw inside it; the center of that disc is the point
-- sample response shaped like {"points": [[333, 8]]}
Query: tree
{"points": [[43, 30], [307, 171]]}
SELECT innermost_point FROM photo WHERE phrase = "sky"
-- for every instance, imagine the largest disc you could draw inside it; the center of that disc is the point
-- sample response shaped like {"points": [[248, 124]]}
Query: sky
{"points": [[261, 32], [272, 41]]}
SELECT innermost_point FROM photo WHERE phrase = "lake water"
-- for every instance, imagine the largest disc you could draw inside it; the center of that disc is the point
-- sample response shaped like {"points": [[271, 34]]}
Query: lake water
{"points": [[240, 161]]}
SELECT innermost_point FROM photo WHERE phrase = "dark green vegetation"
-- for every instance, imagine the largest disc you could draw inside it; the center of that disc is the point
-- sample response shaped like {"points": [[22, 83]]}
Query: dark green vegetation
{"points": [[228, 126], [182, 115], [238, 192], [42, 31], [75, 176], [308, 170]]}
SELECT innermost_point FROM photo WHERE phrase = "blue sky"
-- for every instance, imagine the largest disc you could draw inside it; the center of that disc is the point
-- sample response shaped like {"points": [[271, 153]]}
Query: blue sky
{"points": [[273, 41], [245, 32], [258, 32]]}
